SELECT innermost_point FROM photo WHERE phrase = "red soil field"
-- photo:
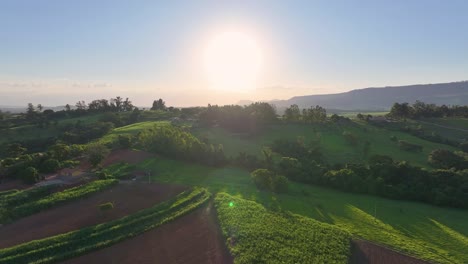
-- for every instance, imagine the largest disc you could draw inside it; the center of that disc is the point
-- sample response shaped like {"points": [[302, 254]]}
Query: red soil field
{"points": [[12, 184], [121, 155], [194, 238], [365, 252], [128, 198]]}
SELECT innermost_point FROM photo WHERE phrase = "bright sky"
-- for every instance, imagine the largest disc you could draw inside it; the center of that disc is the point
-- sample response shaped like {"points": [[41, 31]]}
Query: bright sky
{"points": [[58, 52]]}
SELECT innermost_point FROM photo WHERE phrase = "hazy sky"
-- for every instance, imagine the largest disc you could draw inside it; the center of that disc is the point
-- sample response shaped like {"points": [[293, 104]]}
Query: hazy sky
{"points": [[57, 52]]}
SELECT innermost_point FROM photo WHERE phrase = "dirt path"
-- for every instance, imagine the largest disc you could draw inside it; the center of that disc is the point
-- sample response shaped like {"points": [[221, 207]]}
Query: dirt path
{"points": [[127, 198], [194, 238], [365, 252]]}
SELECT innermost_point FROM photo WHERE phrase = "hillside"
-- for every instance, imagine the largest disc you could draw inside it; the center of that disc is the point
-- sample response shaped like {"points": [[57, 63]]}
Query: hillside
{"points": [[454, 93]]}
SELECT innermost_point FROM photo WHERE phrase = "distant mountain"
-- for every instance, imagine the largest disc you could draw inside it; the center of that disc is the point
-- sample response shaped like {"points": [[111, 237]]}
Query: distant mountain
{"points": [[455, 93]]}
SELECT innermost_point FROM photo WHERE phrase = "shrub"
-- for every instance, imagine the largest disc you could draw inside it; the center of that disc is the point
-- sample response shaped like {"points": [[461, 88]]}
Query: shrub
{"points": [[30, 175], [106, 206], [280, 184], [102, 175], [50, 165], [262, 178]]}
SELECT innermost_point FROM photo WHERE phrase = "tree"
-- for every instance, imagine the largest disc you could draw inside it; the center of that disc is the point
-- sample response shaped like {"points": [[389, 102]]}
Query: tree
{"points": [[30, 175], [292, 113], [50, 165], [80, 105], [59, 151], [96, 153], [291, 168], [31, 111], [14, 150], [262, 178], [280, 184], [67, 108], [39, 107], [314, 114], [159, 105], [268, 157], [445, 159], [403, 110]]}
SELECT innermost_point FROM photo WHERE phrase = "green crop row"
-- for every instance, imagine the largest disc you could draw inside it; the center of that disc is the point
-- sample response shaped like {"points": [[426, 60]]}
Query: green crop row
{"points": [[8, 192], [13, 199], [256, 235], [75, 243], [25, 203]]}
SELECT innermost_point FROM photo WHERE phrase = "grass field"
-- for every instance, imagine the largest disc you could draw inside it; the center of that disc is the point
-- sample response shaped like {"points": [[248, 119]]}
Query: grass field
{"points": [[256, 235], [336, 149], [424, 231], [130, 130], [453, 128]]}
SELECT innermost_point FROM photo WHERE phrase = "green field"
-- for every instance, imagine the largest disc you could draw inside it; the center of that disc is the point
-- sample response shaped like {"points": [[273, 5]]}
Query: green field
{"points": [[453, 128], [425, 231], [256, 235], [130, 130], [334, 146]]}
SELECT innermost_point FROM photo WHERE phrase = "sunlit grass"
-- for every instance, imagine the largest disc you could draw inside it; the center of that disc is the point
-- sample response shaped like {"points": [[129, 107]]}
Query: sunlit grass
{"points": [[405, 226], [333, 144]]}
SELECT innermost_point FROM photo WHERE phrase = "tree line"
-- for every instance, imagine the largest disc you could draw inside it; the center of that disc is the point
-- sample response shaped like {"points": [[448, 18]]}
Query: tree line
{"points": [[420, 109], [446, 184]]}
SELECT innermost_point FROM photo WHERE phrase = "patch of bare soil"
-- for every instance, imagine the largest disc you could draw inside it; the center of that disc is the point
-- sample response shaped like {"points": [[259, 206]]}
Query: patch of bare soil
{"points": [[126, 155], [121, 155], [194, 238], [7, 184], [365, 252], [127, 198]]}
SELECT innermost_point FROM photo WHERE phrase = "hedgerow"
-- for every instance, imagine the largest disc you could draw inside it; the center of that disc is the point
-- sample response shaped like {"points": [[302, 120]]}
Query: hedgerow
{"points": [[75, 243], [256, 235]]}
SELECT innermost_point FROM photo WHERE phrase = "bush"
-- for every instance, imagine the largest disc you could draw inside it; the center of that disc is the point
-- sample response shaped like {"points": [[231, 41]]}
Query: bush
{"points": [[268, 180], [262, 178], [125, 141], [280, 184], [446, 159], [30, 175], [50, 165], [102, 175], [106, 206]]}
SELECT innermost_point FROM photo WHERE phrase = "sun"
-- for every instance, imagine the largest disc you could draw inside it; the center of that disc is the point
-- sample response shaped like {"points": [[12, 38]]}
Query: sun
{"points": [[232, 62]]}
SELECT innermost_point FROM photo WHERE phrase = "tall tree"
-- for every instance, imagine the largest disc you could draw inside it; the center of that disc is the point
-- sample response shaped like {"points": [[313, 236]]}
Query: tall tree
{"points": [[292, 113], [159, 105]]}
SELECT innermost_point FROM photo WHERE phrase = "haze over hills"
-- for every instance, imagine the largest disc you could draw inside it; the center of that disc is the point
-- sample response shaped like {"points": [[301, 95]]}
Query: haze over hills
{"points": [[454, 93]]}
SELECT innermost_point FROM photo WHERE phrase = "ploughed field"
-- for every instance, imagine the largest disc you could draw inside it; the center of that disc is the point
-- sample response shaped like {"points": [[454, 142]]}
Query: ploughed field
{"points": [[127, 198], [194, 238]]}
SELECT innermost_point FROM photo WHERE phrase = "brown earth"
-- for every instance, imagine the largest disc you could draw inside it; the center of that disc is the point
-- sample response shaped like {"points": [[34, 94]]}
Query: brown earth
{"points": [[128, 198], [194, 238], [121, 155], [365, 252], [12, 184]]}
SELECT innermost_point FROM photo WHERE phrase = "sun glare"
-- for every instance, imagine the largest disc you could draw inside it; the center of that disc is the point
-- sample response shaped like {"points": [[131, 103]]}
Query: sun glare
{"points": [[232, 62]]}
